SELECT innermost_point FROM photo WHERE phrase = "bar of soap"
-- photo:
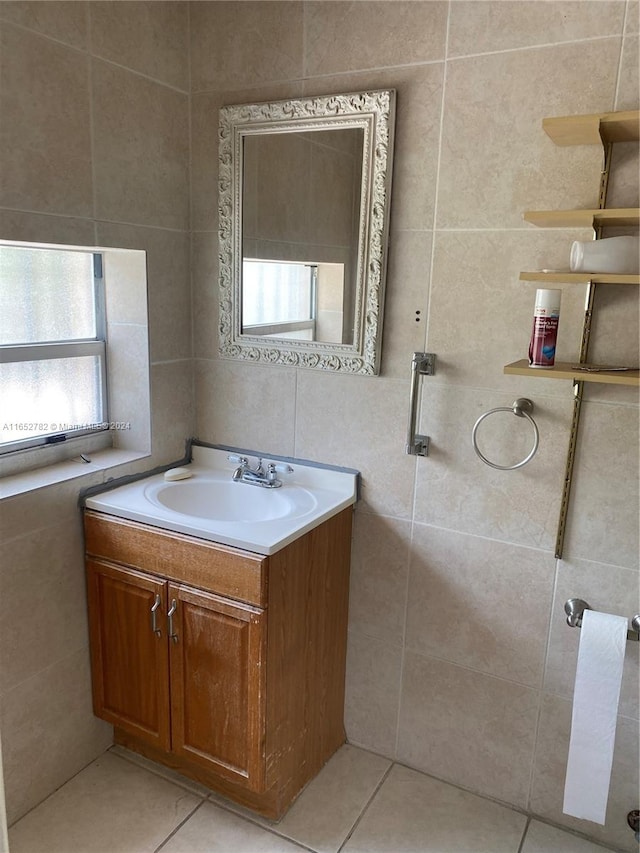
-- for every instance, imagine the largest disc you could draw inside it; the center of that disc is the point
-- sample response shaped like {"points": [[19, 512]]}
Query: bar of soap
{"points": [[178, 474]]}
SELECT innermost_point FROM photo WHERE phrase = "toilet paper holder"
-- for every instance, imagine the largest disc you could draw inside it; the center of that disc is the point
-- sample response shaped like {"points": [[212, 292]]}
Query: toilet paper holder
{"points": [[575, 607]]}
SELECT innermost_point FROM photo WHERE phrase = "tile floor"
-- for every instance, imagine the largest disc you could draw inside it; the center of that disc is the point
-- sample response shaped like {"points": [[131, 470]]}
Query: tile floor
{"points": [[359, 803]]}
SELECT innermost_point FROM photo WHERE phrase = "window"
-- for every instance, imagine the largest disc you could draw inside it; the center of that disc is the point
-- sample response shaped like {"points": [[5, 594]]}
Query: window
{"points": [[52, 346], [279, 299]]}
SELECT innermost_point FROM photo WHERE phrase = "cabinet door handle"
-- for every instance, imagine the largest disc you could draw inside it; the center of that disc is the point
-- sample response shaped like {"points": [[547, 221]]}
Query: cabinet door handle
{"points": [[172, 636], [154, 618]]}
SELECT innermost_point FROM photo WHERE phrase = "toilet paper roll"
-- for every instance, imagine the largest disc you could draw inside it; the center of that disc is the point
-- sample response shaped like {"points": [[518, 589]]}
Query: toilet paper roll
{"points": [[603, 641]]}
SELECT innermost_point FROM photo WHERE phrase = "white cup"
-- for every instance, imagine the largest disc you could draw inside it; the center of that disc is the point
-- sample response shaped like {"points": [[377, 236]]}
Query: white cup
{"points": [[619, 255]]}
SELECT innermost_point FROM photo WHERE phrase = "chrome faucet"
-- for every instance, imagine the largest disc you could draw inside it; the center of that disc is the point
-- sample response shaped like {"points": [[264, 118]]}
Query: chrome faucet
{"points": [[257, 476]]}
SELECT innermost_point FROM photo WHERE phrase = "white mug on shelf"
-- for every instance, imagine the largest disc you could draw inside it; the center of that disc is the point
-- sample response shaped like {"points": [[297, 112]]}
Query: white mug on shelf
{"points": [[618, 255]]}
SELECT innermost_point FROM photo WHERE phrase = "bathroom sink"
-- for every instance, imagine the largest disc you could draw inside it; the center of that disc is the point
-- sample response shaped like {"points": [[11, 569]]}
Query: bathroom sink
{"points": [[211, 505], [226, 501]]}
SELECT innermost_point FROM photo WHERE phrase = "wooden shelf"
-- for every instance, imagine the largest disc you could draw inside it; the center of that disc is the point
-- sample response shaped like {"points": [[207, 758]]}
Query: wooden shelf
{"points": [[566, 370], [562, 277], [594, 129], [583, 218]]}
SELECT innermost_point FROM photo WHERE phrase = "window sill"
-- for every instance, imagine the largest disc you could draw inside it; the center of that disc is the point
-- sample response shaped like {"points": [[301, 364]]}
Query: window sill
{"points": [[61, 472]]}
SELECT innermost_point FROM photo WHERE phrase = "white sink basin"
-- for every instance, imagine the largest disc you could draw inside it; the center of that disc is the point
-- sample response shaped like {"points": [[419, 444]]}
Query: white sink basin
{"points": [[212, 506], [224, 500]]}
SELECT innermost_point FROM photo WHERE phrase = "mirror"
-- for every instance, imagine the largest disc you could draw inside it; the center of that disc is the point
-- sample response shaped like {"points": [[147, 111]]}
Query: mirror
{"points": [[304, 192]]}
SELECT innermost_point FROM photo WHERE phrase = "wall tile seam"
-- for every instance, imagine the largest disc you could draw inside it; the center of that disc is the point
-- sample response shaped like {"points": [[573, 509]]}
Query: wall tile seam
{"points": [[7, 22], [545, 663], [90, 220], [192, 277], [184, 360], [474, 791], [540, 395], [616, 88], [126, 67], [62, 521], [365, 635], [5, 693], [382, 515], [101, 221], [358, 744], [92, 127], [547, 552], [478, 671], [569, 701], [357, 632], [88, 52], [432, 253], [539, 46], [634, 570], [524, 228], [265, 84]]}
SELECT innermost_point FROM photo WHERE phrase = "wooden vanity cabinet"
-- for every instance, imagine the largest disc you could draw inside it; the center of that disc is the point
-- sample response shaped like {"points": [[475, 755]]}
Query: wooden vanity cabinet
{"points": [[225, 665]]}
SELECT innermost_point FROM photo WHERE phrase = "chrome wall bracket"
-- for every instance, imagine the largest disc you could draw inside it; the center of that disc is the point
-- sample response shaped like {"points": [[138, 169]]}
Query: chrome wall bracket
{"points": [[422, 364], [575, 607]]}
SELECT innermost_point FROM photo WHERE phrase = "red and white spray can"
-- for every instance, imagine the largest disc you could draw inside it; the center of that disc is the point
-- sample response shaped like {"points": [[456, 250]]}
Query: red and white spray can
{"points": [[542, 348]]}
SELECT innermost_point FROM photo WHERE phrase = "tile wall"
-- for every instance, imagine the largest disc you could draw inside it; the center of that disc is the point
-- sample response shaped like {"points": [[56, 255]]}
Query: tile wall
{"points": [[94, 100], [460, 663]]}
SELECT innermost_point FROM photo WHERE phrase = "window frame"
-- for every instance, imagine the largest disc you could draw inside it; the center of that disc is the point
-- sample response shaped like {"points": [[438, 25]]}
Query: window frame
{"points": [[72, 348]]}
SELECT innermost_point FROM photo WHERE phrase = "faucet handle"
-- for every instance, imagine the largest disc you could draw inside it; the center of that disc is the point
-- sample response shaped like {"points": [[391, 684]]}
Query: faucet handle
{"points": [[239, 460], [273, 469], [280, 468]]}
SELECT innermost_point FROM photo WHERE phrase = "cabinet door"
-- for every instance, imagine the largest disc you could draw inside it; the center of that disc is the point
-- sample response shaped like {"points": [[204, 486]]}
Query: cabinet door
{"points": [[129, 659], [217, 684]]}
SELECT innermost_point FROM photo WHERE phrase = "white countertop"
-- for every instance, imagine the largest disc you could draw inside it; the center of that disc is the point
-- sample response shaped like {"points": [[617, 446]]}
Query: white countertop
{"points": [[316, 493]]}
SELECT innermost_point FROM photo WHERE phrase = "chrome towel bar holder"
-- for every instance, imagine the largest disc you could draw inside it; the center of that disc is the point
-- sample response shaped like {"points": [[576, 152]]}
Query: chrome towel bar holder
{"points": [[522, 408], [575, 607], [422, 364]]}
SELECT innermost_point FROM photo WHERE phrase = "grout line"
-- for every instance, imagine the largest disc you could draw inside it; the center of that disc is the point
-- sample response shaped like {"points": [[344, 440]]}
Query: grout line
{"points": [[192, 282], [91, 220], [305, 79], [40, 672], [141, 225], [486, 797], [542, 46], [87, 50], [296, 377], [141, 74], [179, 826], [465, 667], [186, 358], [62, 785], [241, 812], [46, 36], [366, 805], [403, 647], [616, 87], [524, 834], [92, 132], [541, 691]]}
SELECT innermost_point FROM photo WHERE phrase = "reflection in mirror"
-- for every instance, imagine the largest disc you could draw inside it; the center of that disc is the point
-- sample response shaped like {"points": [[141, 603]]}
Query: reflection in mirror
{"points": [[300, 232], [304, 197]]}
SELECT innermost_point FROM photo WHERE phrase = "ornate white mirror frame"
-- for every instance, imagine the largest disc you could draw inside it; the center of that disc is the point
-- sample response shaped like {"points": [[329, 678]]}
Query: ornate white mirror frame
{"points": [[374, 113]]}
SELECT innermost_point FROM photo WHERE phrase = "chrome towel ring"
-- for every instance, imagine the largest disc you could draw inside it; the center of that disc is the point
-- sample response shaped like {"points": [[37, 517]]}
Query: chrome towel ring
{"points": [[522, 408]]}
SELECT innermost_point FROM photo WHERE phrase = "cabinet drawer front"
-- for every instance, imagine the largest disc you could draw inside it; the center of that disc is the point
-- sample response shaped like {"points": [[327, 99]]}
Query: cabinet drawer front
{"points": [[215, 568]]}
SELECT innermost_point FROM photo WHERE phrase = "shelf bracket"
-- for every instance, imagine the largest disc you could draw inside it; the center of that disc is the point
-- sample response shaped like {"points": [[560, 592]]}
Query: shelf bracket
{"points": [[578, 387]]}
